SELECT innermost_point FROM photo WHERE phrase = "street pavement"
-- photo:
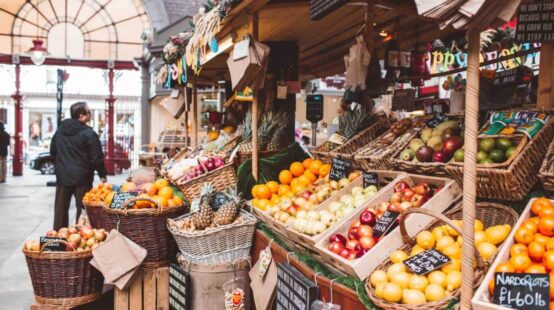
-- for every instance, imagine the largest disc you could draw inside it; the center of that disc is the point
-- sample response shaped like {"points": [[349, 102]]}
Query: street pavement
{"points": [[27, 211]]}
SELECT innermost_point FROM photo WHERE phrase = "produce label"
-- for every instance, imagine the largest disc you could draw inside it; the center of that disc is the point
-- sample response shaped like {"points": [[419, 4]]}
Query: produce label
{"points": [[322, 8], [426, 261], [53, 246], [179, 286], [339, 169], [436, 119], [120, 198], [294, 290], [535, 23], [371, 178], [522, 291], [385, 223]]}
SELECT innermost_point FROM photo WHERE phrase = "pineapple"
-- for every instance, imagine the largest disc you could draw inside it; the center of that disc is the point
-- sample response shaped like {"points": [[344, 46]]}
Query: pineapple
{"points": [[228, 212], [352, 122], [204, 217], [271, 131]]}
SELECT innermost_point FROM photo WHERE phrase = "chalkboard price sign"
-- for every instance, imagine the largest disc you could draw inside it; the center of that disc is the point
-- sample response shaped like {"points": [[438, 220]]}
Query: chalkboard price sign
{"points": [[53, 246], [522, 290], [120, 198], [179, 287], [436, 119], [385, 223], [370, 178], [426, 261], [506, 77], [535, 23], [339, 169], [294, 290], [322, 8]]}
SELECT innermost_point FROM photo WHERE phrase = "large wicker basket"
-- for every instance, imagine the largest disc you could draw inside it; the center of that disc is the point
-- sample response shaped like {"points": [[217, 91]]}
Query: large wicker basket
{"points": [[490, 214], [220, 179], [378, 155], [216, 245], [515, 179], [95, 214], [146, 227], [63, 279], [323, 151], [546, 173]]}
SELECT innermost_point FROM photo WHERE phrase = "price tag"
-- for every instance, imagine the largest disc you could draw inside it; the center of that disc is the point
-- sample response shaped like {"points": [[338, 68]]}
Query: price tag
{"points": [[370, 178], [426, 261], [240, 50], [120, 198], [179, 287], [436, 119], [294, 290], [53, 246], [340, 169], [385, 223], [522, 290]]}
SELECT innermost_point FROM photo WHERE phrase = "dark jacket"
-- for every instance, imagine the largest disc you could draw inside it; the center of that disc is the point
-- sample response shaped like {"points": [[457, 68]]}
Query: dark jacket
{"points": [[4, 143], [77, 152]]}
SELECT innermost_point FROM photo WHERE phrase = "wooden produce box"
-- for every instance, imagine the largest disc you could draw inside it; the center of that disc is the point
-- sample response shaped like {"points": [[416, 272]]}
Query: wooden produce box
{"points": [[149, 289], [481, 299], [364, 265]]}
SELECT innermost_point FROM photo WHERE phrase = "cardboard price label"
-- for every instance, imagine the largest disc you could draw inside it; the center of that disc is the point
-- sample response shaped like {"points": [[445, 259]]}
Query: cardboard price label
{"points": [[426, 261], [294, 290], [53, 246], [522, 291], [120, 198], [340, 169], [179, 287], [370, 178], [385, 223]]}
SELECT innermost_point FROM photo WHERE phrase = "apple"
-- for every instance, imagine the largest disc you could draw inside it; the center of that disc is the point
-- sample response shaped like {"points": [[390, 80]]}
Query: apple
{"points": [[365, 231], [75, 238], [337, 238], [395, 208], [407, 194], [73, 230], [405, 205], [83, 243], [345, 253], [63, 230], [400, 186], [28, 245], [71, 246], [353, 233], [367, 242], [396, 198], [383, 206], [100, 235], [422, 189], [336, 247], [63, 234], [356, 223], [293, 210], [418, 200], [87, 232], [368, 217], [360, 253], [51, 233], [440, 157], [91, 242], [351, 244], [352, 255], [306, 195], [452, 144]]}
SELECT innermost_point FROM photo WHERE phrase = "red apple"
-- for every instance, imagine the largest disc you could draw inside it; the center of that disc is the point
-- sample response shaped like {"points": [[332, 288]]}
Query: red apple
{"points": [[368, 217], [51, 233], [367, 242], [73, 230], [351, 244], [452, 144], [352, 255], [396, 198], [306, 195], [353, 233], [365, 231], [74, 238], [344, 253], [293, 210], [360, 253], [405, 205], [337, 238], [422, 189], [71, 246], [87, 232], [395, 208], [336, 247], [418, 200], [439, 157], [400, 186], [407, 194]]}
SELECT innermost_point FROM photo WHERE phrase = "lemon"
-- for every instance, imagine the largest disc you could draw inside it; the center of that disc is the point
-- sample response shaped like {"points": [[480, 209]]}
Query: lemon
{"points": [[392, 292], [479, 226], [378, 277], [443, 242], [394, 269], [453, 280], [437, 277], [439, 232], [454, 265], [413, 297], [418, 282], [398, 256], [453, 251], [451, 230], [487, 250], [416, 250], [434, 292], [480, 237], [459, 240], [425, 239], [379, 289], [497, 234], [401, 278]]}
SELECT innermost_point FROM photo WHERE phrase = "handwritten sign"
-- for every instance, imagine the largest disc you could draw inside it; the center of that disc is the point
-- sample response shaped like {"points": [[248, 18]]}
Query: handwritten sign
{"points": [[339, 169], [240, 50], [436, 119], [53, 246], [120, 198], [322, 8], [522, 291], [385, 223], [535, 23], [294, 290], [370, 178], [426, 261], [179, 287], [506, 77]]}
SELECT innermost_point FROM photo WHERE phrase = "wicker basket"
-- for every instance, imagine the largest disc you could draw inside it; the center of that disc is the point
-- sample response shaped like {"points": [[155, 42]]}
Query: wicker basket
{"points": [[511, 181], [221, 244], [490, 214], [63, 278], [379, 155], [146, 227], [323, 151], [96, 214], [220, 179], [546, 173]]}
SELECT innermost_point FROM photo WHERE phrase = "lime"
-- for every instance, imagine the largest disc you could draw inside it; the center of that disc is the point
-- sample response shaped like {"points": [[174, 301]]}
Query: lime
{"points": [[503, 144], [481, 156], [497, 156], [486, 145], [510, 151]]}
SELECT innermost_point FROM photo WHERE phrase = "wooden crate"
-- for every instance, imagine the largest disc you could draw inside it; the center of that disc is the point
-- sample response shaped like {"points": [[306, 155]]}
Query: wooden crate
{"points": [[481, 299], [364, 265], [149, 289]]}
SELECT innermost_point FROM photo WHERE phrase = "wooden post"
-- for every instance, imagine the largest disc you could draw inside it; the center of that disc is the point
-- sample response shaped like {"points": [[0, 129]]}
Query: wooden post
{"points": [[194, 113], [545, 92], [253, 27], [369, 20], [470, 170]]}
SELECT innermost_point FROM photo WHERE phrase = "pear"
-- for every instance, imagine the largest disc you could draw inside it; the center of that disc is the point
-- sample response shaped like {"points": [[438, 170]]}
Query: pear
{"points": [[426, 134], [415, 144]]}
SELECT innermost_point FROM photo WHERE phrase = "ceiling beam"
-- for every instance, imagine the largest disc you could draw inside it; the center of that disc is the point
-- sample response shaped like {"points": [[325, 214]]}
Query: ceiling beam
{"points": [[94, 64]]}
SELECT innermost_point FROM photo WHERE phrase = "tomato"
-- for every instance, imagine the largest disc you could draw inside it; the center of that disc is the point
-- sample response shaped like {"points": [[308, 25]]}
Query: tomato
{"points": [[546, 225], [547, 211], [548, 260], [518, 248], [530, 225], [523, 236], [536, 251], [539, 204], [520, 262]]}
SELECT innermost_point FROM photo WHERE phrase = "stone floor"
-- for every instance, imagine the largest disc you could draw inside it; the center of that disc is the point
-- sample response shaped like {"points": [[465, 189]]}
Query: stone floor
{"points": [[27, 210]]}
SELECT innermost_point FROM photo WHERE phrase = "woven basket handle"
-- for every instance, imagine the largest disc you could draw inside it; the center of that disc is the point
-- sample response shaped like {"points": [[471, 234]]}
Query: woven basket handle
{"points": [[55, 241], [125, 205]]}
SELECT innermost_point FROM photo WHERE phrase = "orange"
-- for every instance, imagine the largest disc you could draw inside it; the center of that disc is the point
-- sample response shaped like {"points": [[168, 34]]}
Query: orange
{"points": [[504, 267], [143, 203], [306, 163], [263, 192], [304, 180], [275, 200], [518, 248], [162, 201], [315, 165], [536, 268], [535, 220], [523, 236], [546, 225], [263, 204], [297, 169], [273, 186], [310, 175], [550, 245], [536, 251], [324, 170], [294, 182], [491, 287], [166, 192], [160, 183], [297, 188], [254, 190], [539, 204], [546, 211], [255, 203], [548, 260], [520, 262], [530, 225], [178, 200], [540, 238], [285, 177], [283, 189], [171, 203]]}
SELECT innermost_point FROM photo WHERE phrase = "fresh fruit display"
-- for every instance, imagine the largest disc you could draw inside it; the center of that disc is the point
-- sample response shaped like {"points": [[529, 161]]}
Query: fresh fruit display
{"points": [[492, 150], [160, 191], [398, 284], [101, 194], [204, 166], [78, 238], [437, 144]]}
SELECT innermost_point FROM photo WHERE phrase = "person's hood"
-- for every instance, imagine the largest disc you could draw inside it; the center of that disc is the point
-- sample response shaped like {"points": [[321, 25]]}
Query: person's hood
{"points": [[71, 127]]}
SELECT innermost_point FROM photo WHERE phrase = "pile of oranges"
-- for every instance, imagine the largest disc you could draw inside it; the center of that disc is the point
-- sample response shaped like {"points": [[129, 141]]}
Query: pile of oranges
{"points": [[291, 182], [161, 192], [533, 248], [98, 195]]}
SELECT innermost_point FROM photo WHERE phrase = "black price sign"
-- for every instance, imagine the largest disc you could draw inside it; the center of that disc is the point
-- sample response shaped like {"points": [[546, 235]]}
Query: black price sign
{"points": [[294, 290], [120, 198], [322, 8], [339, 169], [370, 178], [53, 244], [522, 290], [385, 223], [436, 119], [535, 23], [179, 287], [506, 77], [426, 261], [314, 108]]}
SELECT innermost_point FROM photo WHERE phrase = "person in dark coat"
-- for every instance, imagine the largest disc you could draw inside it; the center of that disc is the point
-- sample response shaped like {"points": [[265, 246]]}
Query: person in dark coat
{"points": [[4, 143], [77, 153]]}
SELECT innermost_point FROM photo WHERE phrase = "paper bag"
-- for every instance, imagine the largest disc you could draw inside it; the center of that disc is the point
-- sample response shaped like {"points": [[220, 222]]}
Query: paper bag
{"points": [[248, 70], [263, 292], [175, 102]]}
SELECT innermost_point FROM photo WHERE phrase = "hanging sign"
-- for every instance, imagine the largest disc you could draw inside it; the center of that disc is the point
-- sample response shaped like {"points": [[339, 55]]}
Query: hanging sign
{"points": [[240, 49], [294, 290], [522, 290], [179, 287], [340, 169], [314, 108], [426, 261], [119, 198], [535, 23], [322, 8], [505, 77], [385, 223]]}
